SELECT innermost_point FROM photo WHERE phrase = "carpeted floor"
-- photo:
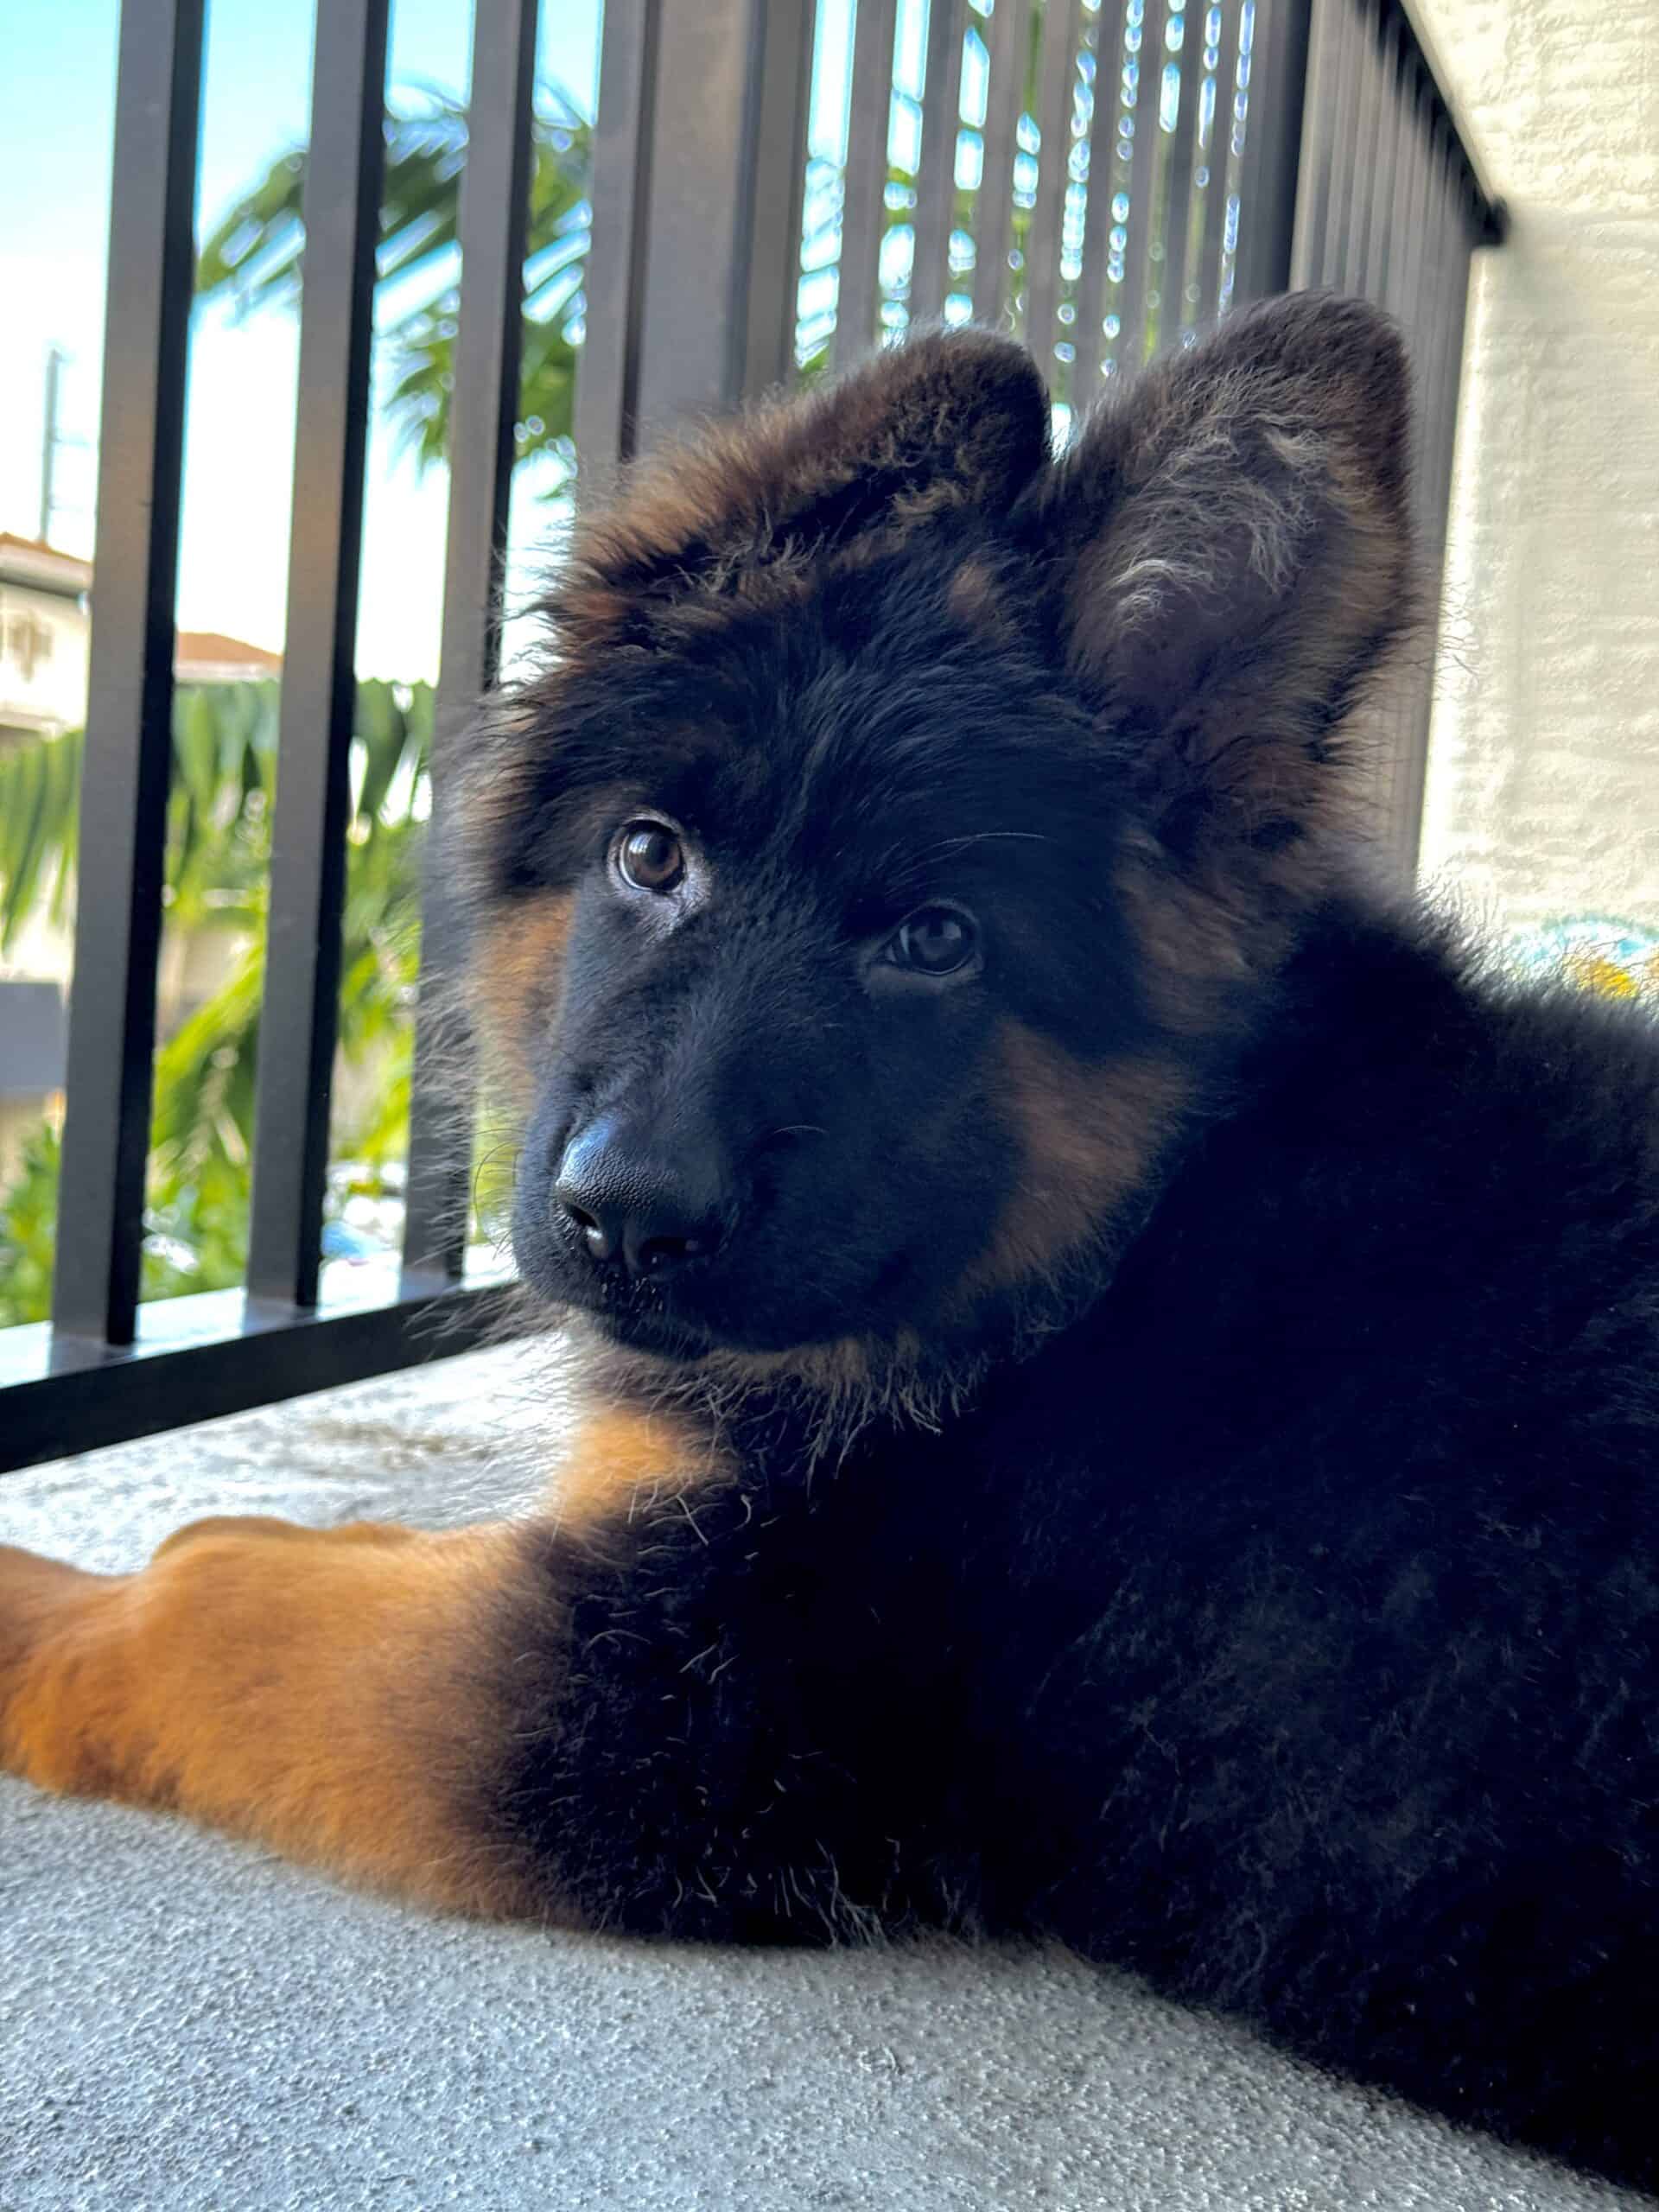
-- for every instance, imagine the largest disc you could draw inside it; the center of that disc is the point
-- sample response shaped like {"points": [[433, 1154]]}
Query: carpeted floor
{"points": [[187, 2023]]}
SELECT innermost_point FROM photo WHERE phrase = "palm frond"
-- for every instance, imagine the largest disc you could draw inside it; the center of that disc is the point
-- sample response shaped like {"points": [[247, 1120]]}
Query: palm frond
{"points": [[255, 258]]}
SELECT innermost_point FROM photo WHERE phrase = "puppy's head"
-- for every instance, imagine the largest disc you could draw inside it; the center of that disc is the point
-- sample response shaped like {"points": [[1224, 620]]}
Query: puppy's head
{"points": [[905, 815]]}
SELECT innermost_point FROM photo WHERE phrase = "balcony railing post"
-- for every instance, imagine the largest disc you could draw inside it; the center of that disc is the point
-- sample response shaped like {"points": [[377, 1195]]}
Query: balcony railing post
{"points": [[1062, 36], [299, 1018], [608, 381], [1089, 302], [994, 209], [494, 222], [1137, 266], [706, 312], [1217, 160], [1272, 145], [130, 688], [863, 214], [936, 178]]}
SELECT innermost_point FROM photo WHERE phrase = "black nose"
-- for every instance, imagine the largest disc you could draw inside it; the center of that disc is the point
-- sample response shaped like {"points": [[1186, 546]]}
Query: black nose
{"points": [[640, 1205]]}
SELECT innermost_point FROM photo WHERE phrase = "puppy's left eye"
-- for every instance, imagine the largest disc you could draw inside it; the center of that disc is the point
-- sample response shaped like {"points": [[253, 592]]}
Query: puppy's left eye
{"points": [[935, 941], [650, 856]]}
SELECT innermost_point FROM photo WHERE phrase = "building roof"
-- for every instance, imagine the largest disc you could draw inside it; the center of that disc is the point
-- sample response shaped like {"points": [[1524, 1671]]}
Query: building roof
{"points": [[199, 655], [31, 561], [197, 652]]}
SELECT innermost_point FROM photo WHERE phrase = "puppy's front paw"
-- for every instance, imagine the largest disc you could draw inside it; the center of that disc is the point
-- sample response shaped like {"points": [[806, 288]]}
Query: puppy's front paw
{"points": [[39, 1598]]}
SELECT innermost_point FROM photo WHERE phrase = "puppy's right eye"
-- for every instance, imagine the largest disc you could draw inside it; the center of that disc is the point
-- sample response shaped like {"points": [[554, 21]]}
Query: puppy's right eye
{"points": [[935, 941], [649, 856]]}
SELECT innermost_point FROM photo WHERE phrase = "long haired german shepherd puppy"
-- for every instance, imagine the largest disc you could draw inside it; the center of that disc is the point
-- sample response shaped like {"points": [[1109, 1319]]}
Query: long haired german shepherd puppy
{"points": [[1122, 1398]]}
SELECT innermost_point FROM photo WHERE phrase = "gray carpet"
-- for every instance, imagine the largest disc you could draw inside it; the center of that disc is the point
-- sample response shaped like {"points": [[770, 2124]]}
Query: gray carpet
{"points": [[186, 2022]]}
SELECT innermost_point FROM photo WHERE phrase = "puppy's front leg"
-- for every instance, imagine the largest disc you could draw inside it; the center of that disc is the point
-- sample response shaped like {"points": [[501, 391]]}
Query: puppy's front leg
{"points": [[338, 1694]]}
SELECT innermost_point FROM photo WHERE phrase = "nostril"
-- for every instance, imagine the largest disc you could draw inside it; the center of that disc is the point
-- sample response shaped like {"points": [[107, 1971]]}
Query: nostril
{"points": [[658, 1254], [593, 1231]]}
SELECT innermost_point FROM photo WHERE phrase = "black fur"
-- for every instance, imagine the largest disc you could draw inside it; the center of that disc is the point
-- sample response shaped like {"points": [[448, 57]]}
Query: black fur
{"points": [[1264, 1595]]}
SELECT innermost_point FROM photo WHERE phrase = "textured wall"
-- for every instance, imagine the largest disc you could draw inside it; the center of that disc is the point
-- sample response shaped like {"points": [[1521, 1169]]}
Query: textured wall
{"points": [[1543, 774]]}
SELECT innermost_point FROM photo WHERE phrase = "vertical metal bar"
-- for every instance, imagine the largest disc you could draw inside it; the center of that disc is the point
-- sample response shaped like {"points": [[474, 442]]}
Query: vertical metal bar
{"points": [[607, 373], [1345, 123], [299, 1016], [1368, 154], [494, 220], [936, 181], [1005, 99], [1411, 735], [1137, 265], [1218, 163], [1456, 228], [1172, 318], [1448, 213], [728, 168], [1257, 123], [1405, 254], [1428, 333], [1062, 29], [1374, 276], [129, 685], [864, 202], [1355, 213], [1412, 769], [1273, 149], [1318, 146], [777, 183], [1088, 302]]}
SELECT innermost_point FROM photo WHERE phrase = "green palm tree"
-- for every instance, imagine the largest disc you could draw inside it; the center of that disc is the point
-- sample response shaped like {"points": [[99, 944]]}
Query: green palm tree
{"points": [[217, 866], [253, 257]]}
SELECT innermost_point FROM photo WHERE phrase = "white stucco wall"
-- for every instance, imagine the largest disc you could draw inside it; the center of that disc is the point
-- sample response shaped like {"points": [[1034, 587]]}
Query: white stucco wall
{"points": [[1543, 774]]}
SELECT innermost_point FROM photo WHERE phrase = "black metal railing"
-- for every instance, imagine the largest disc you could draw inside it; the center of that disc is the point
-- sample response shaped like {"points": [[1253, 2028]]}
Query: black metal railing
{"points": [[1103, 177]]}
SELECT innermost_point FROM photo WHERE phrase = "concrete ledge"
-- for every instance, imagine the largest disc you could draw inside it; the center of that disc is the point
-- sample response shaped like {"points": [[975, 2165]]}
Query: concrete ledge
{"points": [[188, 2023]]}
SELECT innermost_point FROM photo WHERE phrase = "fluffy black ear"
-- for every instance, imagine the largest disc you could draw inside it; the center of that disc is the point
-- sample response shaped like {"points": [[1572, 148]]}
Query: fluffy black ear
{"points": [[1233, 559], [949, 419]]}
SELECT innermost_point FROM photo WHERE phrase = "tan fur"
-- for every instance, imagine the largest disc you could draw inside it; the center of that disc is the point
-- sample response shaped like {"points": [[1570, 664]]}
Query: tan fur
{"points": [[1088, 1138], [328, 1692], [980, 600], [517, 977], [623, 1462], [336, 1693]]}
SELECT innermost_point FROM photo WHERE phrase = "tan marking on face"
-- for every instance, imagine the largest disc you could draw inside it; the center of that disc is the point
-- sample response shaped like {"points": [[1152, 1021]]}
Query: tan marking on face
{"points": [[1193, 945], [623, 1463], [1087, 1138], [518, 980]]}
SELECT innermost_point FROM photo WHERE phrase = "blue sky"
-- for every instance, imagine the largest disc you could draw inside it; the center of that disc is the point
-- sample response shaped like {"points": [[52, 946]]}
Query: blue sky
{"points": [[56, 109]]}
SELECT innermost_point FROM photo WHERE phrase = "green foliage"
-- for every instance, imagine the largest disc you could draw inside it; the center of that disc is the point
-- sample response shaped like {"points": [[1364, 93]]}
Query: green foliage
{"points": [[40, 798], [28, 1232], [255, 254], [218, 857]]}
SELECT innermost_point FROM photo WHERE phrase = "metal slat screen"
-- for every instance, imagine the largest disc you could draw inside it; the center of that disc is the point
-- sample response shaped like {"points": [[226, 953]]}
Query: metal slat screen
{"points": [[1389, 208], [1077, 172], [1104, 178]]}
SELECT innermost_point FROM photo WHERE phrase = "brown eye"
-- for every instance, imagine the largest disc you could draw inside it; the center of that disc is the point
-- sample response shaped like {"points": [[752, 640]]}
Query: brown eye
{"points": [[650, 856], [936, 941]]}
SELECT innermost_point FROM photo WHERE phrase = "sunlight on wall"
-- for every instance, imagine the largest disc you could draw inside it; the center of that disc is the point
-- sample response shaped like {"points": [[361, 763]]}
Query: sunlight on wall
{"points": [[1543, 774]]}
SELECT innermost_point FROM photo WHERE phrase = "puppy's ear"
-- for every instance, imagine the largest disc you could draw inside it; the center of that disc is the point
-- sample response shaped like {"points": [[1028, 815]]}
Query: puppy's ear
{"points": [[950, 419], [1233, 559]]}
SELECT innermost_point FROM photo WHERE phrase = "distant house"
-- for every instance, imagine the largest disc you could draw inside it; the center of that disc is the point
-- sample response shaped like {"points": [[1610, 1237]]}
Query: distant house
{"points": [[45, 619], [209, 657], [45, 630]]}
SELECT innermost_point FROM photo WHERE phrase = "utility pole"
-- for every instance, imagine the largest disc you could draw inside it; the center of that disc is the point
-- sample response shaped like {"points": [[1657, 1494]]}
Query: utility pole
{"points": [[56, 359]]}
